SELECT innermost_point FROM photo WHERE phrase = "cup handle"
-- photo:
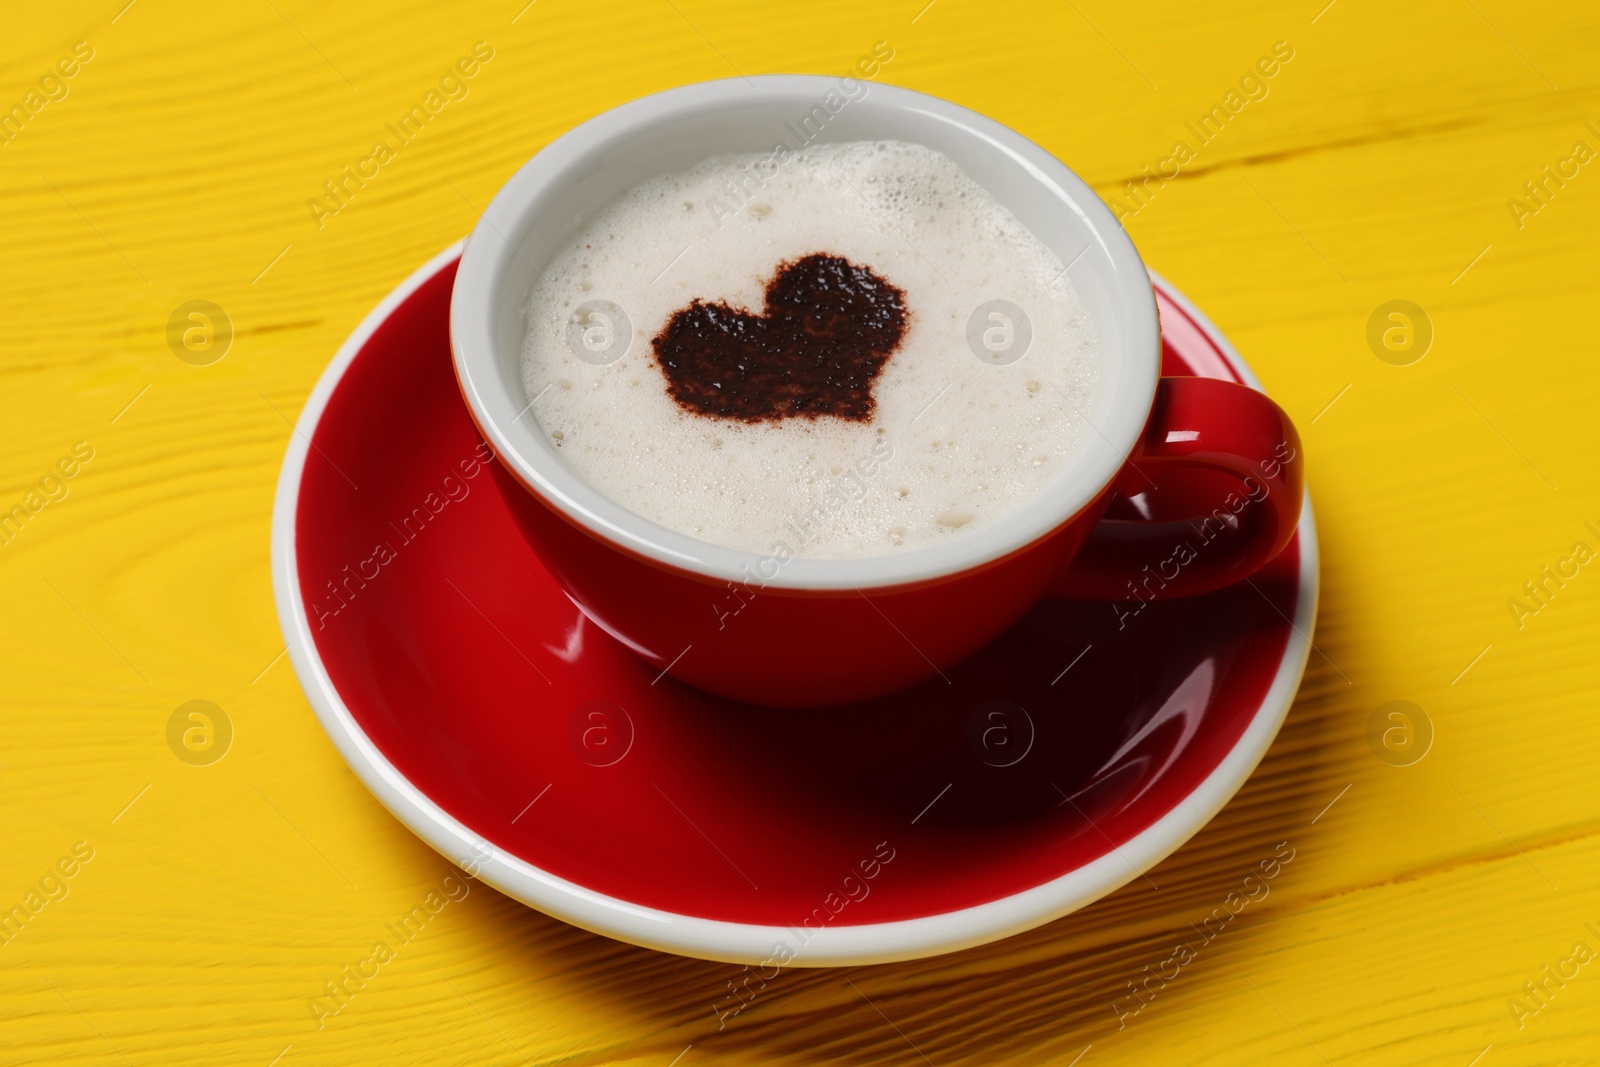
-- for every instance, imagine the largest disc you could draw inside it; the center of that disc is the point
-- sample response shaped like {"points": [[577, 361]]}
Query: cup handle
{"points": [[1197, 424]]}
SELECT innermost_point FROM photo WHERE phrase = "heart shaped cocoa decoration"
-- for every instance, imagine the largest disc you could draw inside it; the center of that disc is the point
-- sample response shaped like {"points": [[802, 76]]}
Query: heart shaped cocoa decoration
{"points": [[828, 329]]}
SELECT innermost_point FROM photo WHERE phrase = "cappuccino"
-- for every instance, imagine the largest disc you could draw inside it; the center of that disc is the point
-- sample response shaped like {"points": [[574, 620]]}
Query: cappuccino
{"points": [[847, 350]]}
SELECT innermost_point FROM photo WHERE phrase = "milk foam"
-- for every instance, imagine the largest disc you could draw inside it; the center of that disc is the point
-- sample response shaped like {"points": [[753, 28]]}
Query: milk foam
{"points": [[955, 442]]}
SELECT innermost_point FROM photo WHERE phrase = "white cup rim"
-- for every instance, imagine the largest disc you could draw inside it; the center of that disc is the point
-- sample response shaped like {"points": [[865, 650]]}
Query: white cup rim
{"points": [[484, 301]]}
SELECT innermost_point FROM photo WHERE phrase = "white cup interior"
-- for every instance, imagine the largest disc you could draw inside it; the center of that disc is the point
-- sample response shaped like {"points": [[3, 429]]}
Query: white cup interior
{"points": [[546, 202]]}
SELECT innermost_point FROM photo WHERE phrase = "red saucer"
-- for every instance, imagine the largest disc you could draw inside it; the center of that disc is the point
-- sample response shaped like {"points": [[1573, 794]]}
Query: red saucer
{"points": [[478, 703]]}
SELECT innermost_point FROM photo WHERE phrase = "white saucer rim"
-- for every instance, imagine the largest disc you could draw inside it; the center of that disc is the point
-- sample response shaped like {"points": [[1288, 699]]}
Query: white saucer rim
{"points": [[745, 942]]}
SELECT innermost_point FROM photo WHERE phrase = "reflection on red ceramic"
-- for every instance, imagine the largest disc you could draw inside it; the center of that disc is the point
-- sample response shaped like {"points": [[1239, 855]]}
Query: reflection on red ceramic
{"points": [[465, 665]]}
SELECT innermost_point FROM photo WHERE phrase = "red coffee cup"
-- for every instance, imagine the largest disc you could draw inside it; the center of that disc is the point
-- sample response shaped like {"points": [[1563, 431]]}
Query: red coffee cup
{"points": [[785, 630]]}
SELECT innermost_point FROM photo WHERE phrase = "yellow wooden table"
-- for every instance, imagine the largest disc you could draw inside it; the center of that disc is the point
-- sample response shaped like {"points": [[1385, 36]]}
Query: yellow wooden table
{"points": [[179, 911]]}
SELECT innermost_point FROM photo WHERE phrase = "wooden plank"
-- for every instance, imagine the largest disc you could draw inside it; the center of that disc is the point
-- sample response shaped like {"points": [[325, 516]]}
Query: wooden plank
{"points": [[1377, 166]]}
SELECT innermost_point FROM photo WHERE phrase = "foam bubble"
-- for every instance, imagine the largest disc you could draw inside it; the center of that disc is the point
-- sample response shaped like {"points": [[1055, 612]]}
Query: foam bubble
{"points": [[955, 442]]}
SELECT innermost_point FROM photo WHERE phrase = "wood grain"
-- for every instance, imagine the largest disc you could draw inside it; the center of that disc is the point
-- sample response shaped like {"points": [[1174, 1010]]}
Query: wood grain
{"points": [[1378, 167]]}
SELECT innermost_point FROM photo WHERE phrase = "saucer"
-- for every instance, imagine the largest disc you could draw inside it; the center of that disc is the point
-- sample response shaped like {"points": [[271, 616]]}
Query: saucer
{"points": [[524, 744]]}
